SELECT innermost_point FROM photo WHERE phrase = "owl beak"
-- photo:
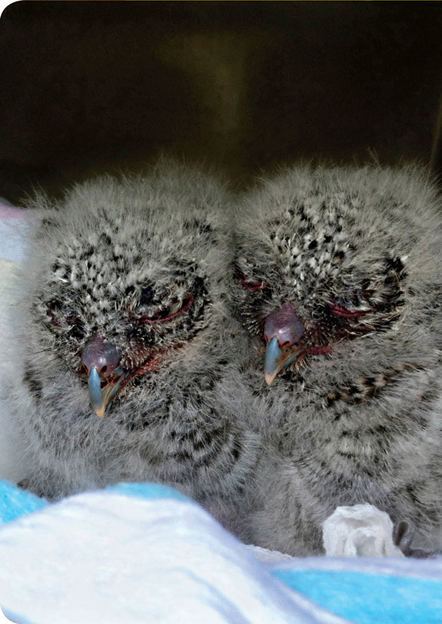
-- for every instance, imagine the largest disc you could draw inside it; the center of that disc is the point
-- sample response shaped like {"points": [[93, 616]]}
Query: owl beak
{"points": [[276, 359], [101, 360], [101, 397], [282, 332]]}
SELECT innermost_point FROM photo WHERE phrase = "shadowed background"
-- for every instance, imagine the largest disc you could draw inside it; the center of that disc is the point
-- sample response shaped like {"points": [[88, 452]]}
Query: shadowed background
{"points": [[242, 86]]}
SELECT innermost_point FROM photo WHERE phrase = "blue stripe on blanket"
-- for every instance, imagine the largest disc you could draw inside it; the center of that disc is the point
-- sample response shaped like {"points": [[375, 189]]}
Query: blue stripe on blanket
{"points": [[15, 502], [147, 490], [370, 598]]}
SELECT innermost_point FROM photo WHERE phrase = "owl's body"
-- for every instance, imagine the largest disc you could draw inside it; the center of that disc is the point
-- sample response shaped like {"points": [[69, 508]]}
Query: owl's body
{"points": [[339, 280], [123, 314]]}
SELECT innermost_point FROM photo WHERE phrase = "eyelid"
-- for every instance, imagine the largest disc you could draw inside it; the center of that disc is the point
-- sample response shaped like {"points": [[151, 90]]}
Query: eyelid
{"points": [[61, 313], [151, 320], [254, 285], [344, 312]]}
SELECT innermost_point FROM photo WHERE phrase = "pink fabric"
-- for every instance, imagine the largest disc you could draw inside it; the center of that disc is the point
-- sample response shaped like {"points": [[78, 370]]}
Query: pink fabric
{"points": [[9, 212]]}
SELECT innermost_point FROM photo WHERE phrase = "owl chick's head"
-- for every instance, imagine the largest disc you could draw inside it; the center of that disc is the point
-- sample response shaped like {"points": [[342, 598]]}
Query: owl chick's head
{"points": [[337, 269], [126, 275]]}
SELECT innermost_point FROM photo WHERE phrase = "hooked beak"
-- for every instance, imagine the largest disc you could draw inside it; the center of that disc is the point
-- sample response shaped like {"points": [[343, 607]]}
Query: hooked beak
{"points": [[101, 360], [282, 332], [276, 359], [101, 397]]}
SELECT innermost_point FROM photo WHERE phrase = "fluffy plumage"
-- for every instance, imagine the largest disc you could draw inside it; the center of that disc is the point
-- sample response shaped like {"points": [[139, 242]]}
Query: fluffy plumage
{"points": [[123, 312], [339, 280]]}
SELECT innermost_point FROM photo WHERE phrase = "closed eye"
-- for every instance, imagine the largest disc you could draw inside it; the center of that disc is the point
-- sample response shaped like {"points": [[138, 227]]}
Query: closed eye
{"points": [[255, 285], [252, 284], [163, 315], [60, 314], [65, 318], [346, 312]]}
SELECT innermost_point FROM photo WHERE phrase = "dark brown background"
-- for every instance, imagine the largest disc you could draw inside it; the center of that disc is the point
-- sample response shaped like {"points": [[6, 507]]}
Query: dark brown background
{"points": [[243, 86]]}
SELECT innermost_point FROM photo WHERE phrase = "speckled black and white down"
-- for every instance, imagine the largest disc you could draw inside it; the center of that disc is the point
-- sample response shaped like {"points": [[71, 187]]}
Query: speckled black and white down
{"points": [[355, 256], [142, 263]]}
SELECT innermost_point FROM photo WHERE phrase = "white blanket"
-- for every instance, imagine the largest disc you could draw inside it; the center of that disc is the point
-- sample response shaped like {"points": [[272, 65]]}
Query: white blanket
{"points": [[113, 558]]}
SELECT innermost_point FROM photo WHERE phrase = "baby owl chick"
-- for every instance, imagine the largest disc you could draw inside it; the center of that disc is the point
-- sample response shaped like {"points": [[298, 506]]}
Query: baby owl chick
{"points": [[122, 361], [339, 287]]}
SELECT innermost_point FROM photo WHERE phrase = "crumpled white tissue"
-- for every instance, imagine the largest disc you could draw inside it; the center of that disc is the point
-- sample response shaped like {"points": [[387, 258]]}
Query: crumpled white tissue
{"points": [[359, 531]]}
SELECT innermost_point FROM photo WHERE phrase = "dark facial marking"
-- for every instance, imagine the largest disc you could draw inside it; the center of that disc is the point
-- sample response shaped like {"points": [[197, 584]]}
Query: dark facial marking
{"points": [[33, 384]]}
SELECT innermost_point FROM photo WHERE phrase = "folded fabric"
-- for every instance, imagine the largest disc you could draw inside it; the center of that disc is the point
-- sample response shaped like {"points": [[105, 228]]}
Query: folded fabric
{"points": [[370, 591], [144, 553], [15, 502], [138, 554]]}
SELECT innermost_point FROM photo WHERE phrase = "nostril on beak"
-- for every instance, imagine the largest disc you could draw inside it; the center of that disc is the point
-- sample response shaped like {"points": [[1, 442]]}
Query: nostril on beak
{"points": [[285, 326], [101, 355]]}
